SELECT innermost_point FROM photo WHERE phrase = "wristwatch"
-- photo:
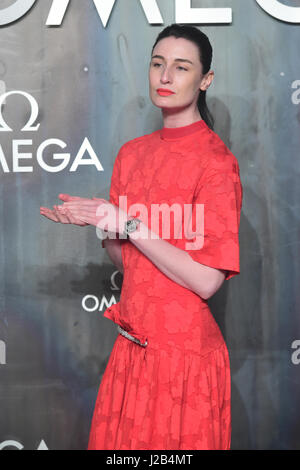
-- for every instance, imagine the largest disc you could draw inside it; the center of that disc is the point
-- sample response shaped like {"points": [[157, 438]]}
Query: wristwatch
{"points": [[131, 226]]}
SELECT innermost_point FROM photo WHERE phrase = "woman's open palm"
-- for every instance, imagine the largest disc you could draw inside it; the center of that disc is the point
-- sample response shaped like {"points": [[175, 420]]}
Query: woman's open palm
{"points": [[84, 211], [96, 211], [65, 216]]}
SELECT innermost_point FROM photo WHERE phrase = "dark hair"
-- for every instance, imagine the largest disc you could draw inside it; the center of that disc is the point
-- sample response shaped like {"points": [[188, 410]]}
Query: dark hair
{"points": [[205, 54]]}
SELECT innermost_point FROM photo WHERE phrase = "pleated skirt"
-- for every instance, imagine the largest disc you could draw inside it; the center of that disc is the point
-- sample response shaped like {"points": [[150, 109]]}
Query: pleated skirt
{"points": [[161, 398]]}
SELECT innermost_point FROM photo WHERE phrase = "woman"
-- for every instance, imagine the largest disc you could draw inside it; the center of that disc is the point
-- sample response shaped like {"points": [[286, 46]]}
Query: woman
{"points": [[167, 381]]}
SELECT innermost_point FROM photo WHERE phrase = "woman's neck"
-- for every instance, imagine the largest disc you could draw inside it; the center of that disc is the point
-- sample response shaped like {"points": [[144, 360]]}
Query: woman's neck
{"points": [[173, 120]]}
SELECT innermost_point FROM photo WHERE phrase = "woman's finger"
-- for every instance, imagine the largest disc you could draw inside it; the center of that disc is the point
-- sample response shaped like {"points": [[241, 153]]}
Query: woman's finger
{"points": [[93, 210], [71, 216], [49, 214], [61, 217], [90, 214], [99, 199], [64, 216], [74, 211], [83, 203], [87, 219], [72, 219], [67, 197]]}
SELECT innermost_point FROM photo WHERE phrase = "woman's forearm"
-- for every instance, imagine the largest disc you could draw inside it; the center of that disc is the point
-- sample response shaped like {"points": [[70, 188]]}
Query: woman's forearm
{"points": [[114, 250], [176, 263]]}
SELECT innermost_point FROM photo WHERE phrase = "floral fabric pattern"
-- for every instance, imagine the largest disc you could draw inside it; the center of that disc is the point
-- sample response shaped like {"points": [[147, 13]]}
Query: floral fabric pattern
{"points": [[175, 392]]}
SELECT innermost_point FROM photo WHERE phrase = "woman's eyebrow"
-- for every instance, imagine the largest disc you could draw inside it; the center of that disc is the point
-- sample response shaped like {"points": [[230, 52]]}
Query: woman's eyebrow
{"points": [[175, 60]]}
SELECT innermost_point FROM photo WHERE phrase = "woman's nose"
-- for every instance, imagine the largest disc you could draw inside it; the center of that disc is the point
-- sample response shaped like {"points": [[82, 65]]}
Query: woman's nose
{"points": [[166, 76]]}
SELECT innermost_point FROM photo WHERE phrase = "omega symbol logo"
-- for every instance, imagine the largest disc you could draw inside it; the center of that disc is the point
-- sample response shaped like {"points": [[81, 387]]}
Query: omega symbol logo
{"points": [[34, 112]]}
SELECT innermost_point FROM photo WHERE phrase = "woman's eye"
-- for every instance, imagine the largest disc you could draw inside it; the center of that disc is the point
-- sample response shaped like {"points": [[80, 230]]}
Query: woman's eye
{"points": [[157, 64]]}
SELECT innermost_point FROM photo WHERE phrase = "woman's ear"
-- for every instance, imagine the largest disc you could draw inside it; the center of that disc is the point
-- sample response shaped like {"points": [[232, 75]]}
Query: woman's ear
{"points": [[207, 80]]}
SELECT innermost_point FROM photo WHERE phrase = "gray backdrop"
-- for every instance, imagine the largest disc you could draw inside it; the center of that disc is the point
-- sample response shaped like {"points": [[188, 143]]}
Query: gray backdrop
{"points": [[91, 82]]}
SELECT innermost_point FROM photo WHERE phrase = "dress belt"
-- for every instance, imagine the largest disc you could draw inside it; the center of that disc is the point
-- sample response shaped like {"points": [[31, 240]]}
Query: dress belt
{"points": [[132, 338]]}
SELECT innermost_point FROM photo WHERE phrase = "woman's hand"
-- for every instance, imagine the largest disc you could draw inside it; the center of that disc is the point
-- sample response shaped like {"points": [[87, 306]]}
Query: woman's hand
{"points": [[96, 211], [64, 217]]}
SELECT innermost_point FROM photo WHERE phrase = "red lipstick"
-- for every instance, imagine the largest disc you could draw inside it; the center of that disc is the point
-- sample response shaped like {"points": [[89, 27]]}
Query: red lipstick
{"points": [[164, 92]]}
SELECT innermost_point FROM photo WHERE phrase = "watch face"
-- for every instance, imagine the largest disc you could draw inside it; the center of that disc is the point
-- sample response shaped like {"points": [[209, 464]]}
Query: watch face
{"points": [[132, 226]]}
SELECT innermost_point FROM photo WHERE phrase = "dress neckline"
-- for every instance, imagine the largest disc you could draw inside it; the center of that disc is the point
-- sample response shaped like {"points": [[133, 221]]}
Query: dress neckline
{"points": [[174, 133]]}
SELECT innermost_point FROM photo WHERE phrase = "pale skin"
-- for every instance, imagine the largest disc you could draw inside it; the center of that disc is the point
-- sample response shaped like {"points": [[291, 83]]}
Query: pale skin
{"points": [[185, 78]]}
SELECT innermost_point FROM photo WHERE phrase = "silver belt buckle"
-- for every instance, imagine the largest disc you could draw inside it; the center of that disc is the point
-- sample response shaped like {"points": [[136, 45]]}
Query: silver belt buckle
{"points": [[132, 338]]}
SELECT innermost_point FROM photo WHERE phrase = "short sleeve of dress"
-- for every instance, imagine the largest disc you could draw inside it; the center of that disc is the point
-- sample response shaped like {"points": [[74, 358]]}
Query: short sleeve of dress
{"points": [[115, 183], [221, 194]]}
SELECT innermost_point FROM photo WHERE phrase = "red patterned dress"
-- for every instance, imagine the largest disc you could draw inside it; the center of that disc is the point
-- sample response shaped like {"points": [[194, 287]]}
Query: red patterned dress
{"points": [[173, 393]]}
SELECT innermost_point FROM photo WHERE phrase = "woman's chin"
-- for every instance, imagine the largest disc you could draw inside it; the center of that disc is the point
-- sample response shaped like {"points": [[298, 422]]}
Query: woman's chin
{"points": [[162, 104]]}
